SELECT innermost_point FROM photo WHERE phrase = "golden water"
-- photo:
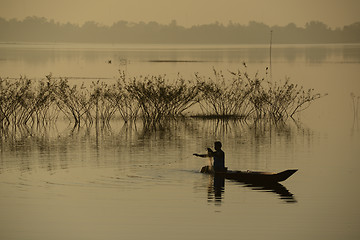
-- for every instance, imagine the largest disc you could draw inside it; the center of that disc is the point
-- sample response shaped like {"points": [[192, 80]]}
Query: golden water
{"points": [[125, 181]]}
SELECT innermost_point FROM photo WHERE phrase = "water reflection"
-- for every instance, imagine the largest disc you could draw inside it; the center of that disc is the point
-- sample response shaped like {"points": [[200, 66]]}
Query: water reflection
{"points": [[92, 60], [37, 54], [277, 188], [56, 145], [216, 189]]}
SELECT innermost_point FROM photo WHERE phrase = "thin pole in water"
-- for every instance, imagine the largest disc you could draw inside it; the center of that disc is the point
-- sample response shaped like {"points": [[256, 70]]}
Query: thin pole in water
{"points": [[271, 32]]}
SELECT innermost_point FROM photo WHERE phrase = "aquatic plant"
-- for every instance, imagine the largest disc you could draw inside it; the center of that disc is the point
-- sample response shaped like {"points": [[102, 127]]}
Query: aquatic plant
{"points": [[281, 101], [154, 99], [23, 100], [222, 98], [109, 99], [252, 97], [125, 103], [99, 95], [11, 95], [159, 99], [257, 97], [74, 102], [40, 100], [303, 100]]}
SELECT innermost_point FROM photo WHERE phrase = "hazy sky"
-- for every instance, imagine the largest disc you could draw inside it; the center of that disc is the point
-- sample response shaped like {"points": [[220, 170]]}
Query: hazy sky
{"points": [[335, 13]]}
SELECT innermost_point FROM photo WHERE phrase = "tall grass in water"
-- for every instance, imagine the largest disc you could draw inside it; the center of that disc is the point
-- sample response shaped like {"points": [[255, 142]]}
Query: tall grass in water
{"points": [[75, 102], [22, 101], [125, 102], [158, 99], [251, 97], [223, 98], [152, 98], [283, 100]]}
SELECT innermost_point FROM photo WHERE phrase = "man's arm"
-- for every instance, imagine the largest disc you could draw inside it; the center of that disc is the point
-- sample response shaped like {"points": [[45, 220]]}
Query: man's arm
{"points": [[201, 155], [209, 154]]}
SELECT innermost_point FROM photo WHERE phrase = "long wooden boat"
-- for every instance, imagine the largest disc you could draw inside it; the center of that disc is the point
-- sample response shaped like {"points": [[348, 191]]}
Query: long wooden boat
{"points": [[251, 176]]}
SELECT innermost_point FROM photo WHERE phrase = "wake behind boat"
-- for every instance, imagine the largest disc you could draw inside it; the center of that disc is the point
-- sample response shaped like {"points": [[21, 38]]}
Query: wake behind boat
{"points": [[251, 176]]}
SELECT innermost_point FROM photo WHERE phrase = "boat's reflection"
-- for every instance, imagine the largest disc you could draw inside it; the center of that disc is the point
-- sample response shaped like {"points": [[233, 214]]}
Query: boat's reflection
{"points": [[216, 189]]}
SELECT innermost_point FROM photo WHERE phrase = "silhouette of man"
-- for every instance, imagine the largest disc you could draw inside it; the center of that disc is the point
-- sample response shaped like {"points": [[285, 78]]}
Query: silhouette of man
{"points": [[218, 155]]}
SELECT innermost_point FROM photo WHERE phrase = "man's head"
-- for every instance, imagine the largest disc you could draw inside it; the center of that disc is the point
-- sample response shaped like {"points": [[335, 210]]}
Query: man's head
{"points": [[218, 145]]}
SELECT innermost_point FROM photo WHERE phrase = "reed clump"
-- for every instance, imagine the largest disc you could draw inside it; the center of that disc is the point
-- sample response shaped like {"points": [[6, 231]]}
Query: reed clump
{"points": [[159, 99], [75, 102], [240, 95], [280, 101], [223, 98], [151, 98], [22, 101]]}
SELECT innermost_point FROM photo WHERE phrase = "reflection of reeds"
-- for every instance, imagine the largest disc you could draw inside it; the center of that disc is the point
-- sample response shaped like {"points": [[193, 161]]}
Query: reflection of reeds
{"points": [[152, 98], [209, 129], [135, 136]]}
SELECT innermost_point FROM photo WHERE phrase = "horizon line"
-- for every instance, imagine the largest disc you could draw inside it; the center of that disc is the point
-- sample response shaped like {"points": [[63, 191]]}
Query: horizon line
{"points": [[172, 22]]}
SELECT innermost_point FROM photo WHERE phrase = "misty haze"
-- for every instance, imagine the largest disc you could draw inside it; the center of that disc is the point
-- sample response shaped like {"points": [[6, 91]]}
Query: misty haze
{"points": [[35, 29], [236, 119]]}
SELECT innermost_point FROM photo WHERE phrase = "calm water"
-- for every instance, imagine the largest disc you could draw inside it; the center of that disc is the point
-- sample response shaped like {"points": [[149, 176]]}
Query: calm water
{"points": [[130, 182]]}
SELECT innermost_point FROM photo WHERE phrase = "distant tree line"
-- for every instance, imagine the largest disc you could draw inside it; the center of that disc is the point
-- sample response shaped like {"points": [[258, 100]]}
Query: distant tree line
{"points": [[39, 29]]}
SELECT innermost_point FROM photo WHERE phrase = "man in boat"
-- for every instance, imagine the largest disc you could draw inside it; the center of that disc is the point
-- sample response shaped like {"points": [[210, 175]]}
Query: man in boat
{"points": [[219, 158]]}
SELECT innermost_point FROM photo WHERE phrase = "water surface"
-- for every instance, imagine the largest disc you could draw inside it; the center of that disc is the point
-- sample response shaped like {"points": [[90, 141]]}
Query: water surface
{"points": [[133, 182]]}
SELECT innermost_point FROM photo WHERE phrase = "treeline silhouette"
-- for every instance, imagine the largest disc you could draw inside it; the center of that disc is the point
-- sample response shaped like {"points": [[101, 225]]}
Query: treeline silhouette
{"points": [[39, 29]]}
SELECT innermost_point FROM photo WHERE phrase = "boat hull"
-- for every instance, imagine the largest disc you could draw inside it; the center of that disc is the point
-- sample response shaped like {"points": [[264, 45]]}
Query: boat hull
{"points": [[251, 176]]}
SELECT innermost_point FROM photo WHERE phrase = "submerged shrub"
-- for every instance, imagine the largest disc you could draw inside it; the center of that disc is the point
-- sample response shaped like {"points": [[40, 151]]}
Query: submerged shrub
{"points": [[121, 100], [285, 100], [246, 97], [153, 98], [23, 100], [223, 98], [75, 102], [159, 99], [11, 98]]}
